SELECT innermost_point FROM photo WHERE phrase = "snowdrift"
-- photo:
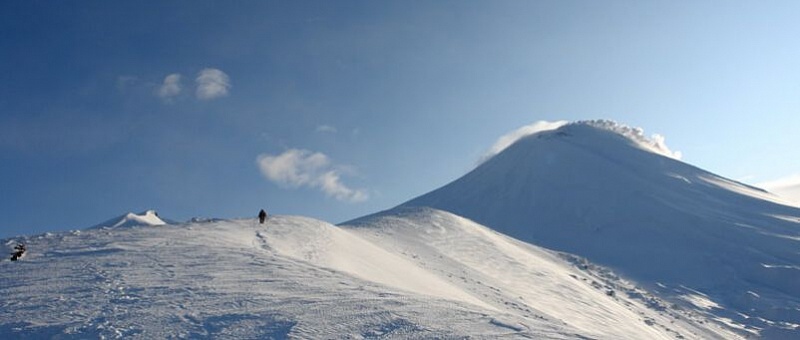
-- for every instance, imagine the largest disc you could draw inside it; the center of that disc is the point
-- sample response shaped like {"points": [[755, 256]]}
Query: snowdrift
{"points": [[615, 197]]}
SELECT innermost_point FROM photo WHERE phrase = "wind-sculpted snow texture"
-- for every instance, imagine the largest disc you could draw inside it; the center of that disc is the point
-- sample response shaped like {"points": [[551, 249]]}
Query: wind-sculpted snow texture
{"points": [[413, 274], [612, 196]]}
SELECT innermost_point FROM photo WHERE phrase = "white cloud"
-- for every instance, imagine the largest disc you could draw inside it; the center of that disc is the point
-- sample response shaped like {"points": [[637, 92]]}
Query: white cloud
{"points": [[787, 187], [212, 83], [330, 184], [506, 140], [326, 128], [171, 86], [296, 168]]}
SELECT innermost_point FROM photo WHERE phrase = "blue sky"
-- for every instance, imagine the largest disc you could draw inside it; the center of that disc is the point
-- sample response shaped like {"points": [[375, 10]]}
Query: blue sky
{"points": [[339, 109]]}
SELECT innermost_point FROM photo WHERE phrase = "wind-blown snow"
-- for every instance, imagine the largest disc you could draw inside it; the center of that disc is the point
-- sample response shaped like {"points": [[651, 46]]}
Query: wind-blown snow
{"points": [[405, 274], [510, 138], [655, 143]]}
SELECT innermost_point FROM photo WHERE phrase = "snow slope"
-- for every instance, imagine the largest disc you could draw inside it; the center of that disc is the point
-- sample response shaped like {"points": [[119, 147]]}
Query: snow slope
{"points": [[605, 192], [415, 273], [529, 282]]}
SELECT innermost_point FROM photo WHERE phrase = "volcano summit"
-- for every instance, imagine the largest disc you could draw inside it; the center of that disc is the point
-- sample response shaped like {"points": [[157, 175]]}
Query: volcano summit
{"points": [[602, 190]]}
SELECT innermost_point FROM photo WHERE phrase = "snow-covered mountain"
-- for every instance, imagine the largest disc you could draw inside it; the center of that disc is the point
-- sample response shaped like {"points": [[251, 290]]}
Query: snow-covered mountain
{"points": [[603, 191], [586, 230], [146, 218], [412, 273]]}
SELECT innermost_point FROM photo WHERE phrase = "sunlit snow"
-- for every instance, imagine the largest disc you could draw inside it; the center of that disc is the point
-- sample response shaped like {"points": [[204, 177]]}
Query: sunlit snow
{"points": [[578, 230]]}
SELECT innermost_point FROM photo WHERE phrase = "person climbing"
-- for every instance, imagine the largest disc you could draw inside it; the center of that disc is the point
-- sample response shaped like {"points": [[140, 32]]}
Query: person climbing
{"points": [[19, 250], [262, 215]]}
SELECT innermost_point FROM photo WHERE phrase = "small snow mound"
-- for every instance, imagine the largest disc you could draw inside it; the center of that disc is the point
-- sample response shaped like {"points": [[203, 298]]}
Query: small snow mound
{"points": [[146, 218]]}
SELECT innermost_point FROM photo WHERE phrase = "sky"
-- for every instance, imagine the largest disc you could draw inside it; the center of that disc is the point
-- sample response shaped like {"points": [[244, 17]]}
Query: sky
{"points": [[338, 109]]}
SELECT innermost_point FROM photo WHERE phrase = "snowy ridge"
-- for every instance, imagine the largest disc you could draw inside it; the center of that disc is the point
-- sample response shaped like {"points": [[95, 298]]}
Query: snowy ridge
{"points": [[404, 274], [529, 281], [338, 249]]}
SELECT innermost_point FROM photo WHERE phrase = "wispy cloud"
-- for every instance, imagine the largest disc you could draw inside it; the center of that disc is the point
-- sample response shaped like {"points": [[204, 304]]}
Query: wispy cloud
{"points": [[212, 83], [170, 87], [302, 168], [326, 128]]}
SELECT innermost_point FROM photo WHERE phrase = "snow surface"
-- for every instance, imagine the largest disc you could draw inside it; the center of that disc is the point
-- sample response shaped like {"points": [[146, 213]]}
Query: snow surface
{"points": [[526, 280], [608, 194], [413, 273]]}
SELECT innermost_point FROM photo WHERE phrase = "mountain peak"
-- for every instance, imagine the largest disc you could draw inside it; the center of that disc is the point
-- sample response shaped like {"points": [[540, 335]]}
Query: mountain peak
{"points": [[605, 191], [592, 132]]}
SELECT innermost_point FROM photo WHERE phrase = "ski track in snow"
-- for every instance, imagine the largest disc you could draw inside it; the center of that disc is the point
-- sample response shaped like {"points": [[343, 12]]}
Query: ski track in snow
{"points": [[425, 274]]}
